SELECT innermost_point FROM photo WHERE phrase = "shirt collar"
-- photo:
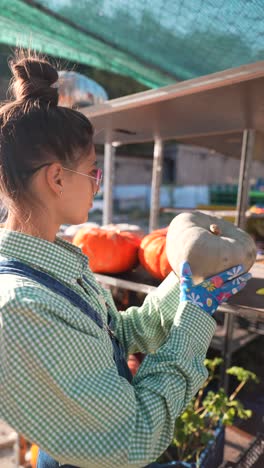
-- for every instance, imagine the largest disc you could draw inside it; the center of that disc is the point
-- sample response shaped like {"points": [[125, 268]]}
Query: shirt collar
{"points": [[60, 259]]}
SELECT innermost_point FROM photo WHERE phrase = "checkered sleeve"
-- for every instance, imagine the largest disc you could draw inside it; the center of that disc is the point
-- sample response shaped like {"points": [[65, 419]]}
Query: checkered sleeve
{"points": [[145, 328], [60, 387]]}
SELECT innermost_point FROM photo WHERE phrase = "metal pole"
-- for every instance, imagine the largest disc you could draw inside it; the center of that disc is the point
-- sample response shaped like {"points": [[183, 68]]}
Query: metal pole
{"points": [[109, 160], [248, 144], [227, 348], [155, 185], [248, 148]]}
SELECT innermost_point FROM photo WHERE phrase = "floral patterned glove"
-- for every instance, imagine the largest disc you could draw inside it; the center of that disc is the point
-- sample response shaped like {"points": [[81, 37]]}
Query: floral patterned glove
{"points": [[214, 290]]}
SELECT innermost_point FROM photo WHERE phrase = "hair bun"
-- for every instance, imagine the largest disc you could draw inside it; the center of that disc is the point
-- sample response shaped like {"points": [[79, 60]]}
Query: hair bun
{"points": [[33, 78]]}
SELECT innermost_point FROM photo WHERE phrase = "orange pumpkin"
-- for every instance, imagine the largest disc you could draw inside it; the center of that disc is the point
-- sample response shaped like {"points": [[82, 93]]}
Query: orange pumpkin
{"points": [[22, 449], [152, 254], [109, 251], [34, 455]]}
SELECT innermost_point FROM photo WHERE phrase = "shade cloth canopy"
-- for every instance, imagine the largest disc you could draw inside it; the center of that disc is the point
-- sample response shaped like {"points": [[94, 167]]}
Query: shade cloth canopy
{"points": [[156, 42]]}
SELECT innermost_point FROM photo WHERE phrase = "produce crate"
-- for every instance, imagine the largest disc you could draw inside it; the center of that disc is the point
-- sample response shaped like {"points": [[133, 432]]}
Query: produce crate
{"points": [[253, 456], [226, 194]]}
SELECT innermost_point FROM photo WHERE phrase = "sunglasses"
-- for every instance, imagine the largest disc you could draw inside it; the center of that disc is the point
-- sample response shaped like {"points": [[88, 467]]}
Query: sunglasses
{"points": [[98, 177]]}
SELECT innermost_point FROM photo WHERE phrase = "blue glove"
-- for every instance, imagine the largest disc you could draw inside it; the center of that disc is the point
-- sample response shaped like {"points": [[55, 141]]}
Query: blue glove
{"points": [[214, 290]]}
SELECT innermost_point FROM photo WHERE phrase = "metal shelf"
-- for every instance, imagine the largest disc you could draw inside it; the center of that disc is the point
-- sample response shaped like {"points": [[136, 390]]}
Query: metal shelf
{"points": [[240, 337], [150, 116], [245, 304], [124, 284]]}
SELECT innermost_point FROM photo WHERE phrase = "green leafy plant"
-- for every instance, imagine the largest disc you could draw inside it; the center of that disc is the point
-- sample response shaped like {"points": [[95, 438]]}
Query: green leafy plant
{"points": [[196, 425]]}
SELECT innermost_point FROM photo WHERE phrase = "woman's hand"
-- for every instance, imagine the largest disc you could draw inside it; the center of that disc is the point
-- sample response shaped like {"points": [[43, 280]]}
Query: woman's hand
{"points": [[214, 290]]}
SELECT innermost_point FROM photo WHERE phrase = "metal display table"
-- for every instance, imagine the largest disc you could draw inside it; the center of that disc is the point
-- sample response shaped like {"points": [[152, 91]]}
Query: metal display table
{"points": [[227, 339], [222, 112], [247, 303], [136, 280]]}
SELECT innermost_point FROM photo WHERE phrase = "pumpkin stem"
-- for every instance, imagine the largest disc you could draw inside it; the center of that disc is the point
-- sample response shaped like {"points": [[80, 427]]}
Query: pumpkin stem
{"points": [[215, 229]]}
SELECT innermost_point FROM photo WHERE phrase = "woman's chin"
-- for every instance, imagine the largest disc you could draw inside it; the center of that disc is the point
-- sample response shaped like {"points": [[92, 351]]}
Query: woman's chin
{"points": [[78, 220]]}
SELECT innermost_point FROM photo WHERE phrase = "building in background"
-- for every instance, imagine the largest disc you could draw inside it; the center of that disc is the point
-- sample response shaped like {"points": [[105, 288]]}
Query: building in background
{"points": [[182, 165]]}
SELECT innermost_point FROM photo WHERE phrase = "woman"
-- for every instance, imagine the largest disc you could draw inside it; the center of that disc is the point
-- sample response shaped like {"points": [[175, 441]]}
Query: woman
{"points": [[64, 382]]}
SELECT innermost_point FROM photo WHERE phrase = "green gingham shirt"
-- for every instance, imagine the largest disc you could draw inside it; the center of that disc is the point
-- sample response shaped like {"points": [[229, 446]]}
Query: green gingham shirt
{"points": [[59, 385]]}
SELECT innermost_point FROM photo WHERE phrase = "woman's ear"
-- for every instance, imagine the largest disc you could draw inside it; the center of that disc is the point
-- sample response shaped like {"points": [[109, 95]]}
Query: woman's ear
{"points": [[55, 178]]}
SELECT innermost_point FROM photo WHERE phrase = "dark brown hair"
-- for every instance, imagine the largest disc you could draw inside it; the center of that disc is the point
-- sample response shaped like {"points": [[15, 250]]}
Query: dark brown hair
{"points": [[34, 130]]}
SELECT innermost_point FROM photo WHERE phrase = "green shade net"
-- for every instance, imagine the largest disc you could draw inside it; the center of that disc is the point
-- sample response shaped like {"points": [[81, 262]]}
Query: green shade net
{"points": [[156, 42]]}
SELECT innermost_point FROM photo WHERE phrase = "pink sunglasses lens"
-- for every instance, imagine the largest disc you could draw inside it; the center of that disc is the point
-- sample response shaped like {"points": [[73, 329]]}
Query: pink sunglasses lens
{"points": [[99, 177]]}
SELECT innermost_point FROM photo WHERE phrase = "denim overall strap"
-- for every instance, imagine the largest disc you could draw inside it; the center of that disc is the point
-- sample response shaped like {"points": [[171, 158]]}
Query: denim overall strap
{"points": [[16, 267]]}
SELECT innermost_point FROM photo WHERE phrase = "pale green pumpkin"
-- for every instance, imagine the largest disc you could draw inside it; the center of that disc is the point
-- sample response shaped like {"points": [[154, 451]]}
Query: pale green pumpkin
{"points": [[210, 244]]}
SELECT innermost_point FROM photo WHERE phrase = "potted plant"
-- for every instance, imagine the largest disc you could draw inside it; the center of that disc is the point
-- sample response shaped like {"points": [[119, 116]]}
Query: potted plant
{"points": [[199, 432]]}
